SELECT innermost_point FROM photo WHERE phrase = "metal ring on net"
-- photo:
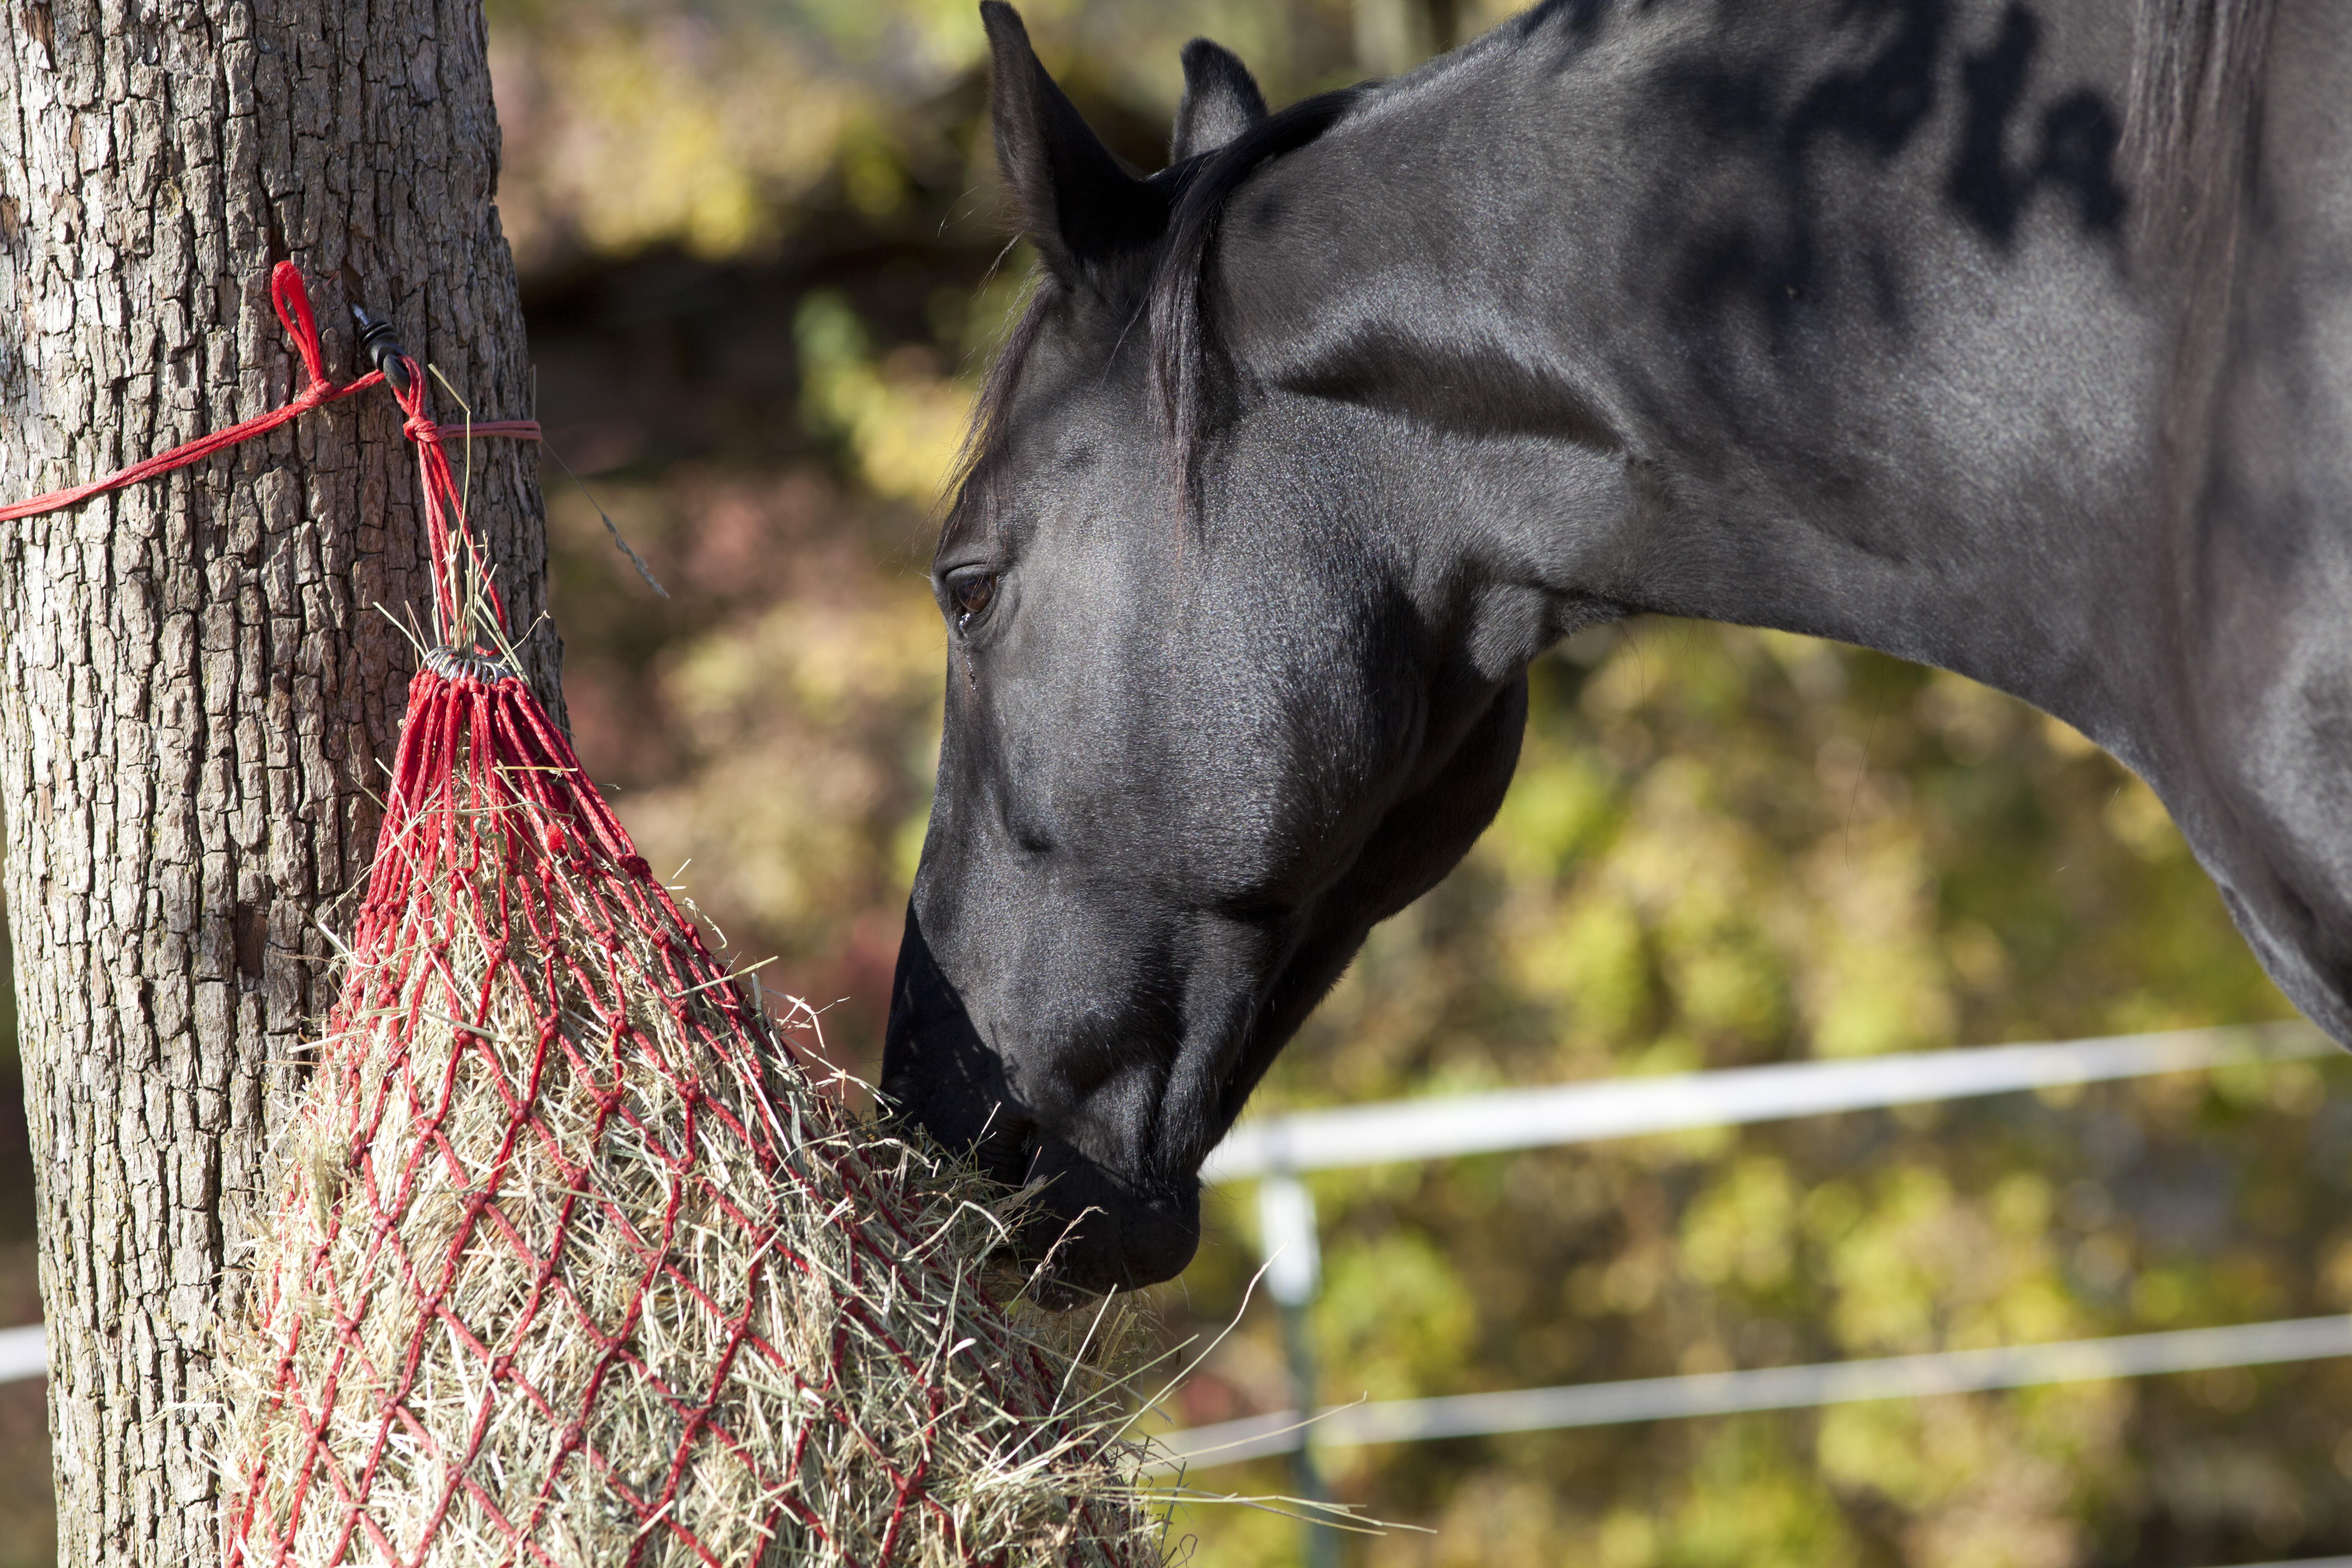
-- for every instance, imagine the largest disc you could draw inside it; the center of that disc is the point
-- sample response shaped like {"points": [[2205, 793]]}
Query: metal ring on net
{"points": [[450, 663]]}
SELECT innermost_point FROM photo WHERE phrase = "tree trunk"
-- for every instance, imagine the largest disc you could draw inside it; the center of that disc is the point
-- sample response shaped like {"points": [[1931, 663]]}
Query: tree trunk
{"points": [[198, 686]]}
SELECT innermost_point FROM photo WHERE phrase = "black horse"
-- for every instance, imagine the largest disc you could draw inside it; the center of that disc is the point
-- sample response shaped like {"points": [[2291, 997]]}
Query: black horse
{"points": [[2010, 337]]}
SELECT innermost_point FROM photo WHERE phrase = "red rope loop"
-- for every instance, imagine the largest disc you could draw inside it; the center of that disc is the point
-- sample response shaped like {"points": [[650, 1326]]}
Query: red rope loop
{"points": [[292, 298]]}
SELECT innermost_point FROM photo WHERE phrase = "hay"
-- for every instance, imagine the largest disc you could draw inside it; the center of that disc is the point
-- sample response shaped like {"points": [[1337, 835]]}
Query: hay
{"points": [[572, 1262]]}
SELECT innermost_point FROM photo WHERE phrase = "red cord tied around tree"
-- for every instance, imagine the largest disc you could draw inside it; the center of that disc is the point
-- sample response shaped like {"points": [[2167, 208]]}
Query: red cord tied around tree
{"points": [[570, 1261], [292, 300]]}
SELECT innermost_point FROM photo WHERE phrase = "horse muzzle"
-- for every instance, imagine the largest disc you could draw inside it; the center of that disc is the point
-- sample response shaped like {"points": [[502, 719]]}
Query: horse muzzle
{"points": [[1087, 1230]]}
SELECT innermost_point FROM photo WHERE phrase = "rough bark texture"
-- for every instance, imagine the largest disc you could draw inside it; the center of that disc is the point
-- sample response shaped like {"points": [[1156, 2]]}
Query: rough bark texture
{"points": [[197, 686]]}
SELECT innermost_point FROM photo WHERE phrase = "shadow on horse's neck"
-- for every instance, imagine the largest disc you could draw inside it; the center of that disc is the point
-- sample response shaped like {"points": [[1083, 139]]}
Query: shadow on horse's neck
{"points": [[1855, 311]]}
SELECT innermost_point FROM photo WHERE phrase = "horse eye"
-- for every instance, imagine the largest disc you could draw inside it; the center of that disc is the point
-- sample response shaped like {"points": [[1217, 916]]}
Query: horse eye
{"points": [[972, 593]]}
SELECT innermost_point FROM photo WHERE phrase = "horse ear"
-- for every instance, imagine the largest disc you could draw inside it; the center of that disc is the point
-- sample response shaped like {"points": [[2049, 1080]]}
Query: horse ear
{"points": [[1220, 100], [1075, 201]]}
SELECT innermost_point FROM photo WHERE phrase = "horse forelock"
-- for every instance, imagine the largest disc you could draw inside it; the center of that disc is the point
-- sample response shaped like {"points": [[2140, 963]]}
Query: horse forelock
{"points": [[974, 482], [1169, 307], [1182, 381]]}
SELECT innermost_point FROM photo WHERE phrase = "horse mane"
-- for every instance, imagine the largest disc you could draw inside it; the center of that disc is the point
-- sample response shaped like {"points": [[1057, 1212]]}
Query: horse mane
{"points": [[1182, 372], [2195, 66], [1170, 307]]}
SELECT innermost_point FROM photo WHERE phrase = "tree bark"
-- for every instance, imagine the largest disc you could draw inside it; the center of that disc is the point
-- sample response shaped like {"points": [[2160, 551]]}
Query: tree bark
{"points": [[198, 686]]}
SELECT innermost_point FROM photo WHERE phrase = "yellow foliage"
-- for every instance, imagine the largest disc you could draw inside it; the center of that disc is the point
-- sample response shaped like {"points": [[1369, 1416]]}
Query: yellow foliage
{"points": [[779, 819], [627, 129], [1748, 1505], [1877, 982], [1392, 1308], [902, 421], [1741, 1231]]}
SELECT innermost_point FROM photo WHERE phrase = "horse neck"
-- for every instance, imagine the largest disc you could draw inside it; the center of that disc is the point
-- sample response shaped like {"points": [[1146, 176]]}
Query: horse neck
{"points": [[1848, 313]]}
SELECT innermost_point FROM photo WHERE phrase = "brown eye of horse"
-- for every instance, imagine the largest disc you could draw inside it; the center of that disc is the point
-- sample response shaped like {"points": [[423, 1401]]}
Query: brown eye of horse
{"points": [[972, 593]]}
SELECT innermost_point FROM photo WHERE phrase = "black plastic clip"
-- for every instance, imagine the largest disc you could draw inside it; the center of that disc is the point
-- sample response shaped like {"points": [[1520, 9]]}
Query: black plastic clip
{"points": [[376, 342]]}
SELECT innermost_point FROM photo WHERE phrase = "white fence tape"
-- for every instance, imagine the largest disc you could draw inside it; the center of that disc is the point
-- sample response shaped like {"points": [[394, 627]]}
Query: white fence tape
{"points": [[23, 1352], [1622, 1108], [1406, 1129], [1769, 1388]]}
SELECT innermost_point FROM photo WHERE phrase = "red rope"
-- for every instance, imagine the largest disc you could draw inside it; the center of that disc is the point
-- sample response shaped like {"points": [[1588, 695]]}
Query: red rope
{"points": [[444, 506]]}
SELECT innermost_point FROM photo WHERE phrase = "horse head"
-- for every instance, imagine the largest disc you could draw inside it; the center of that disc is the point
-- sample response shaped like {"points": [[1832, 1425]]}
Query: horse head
{"points": [[1308, 443], [1203, 730]]}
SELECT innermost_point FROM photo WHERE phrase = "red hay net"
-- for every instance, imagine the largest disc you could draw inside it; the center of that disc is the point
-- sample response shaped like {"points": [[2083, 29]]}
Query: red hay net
{"points": [[547, 884], [569, 1261]]}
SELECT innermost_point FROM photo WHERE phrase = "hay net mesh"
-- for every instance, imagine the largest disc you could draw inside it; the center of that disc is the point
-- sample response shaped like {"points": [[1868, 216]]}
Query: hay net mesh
{"points": [[572, 1262]]}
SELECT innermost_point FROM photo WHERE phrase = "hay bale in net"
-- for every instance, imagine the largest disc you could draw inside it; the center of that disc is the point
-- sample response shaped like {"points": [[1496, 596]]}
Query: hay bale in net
{"points": [[570, 1261]]}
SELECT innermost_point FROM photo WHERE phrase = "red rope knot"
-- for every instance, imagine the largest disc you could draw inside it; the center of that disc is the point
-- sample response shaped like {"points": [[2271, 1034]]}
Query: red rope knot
{"points": [[418, 427]]}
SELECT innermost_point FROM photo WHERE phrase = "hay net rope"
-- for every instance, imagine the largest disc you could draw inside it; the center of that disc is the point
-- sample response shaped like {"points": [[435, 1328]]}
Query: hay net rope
{"points": [[570, 1261]]}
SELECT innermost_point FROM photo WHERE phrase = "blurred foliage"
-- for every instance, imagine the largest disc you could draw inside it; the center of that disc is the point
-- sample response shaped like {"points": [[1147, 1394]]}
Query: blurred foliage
{"points": [[764, 264]]}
